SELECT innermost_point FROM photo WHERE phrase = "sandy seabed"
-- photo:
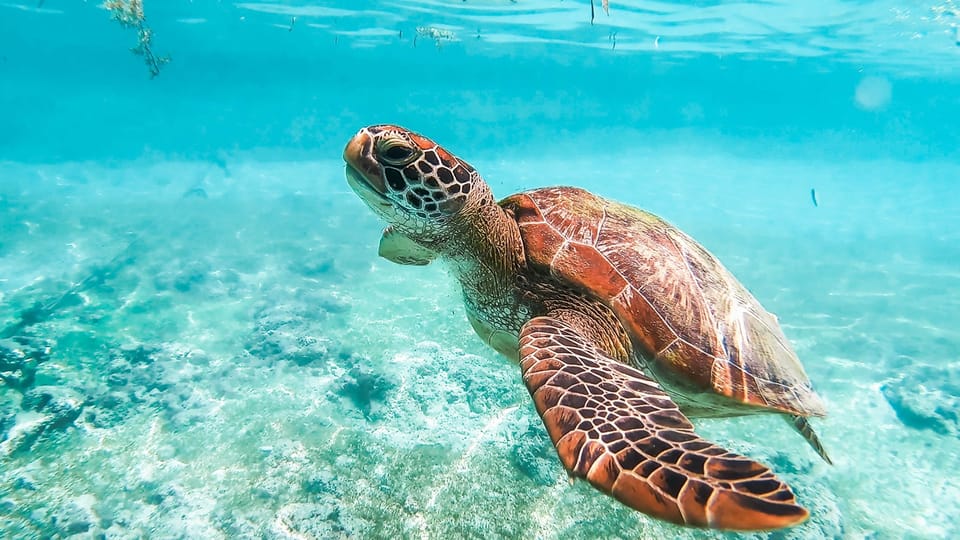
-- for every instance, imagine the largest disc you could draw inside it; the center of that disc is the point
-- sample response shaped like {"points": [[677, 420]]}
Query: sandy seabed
{"points": [[198, 350]]}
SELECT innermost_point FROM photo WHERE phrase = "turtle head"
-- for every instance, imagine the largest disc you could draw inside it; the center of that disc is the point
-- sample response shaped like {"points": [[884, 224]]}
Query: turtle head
{"points": [[408, 179]]}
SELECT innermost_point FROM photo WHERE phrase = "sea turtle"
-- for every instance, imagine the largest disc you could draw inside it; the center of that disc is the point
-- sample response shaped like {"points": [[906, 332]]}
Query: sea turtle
{"points": [[622, 325]]}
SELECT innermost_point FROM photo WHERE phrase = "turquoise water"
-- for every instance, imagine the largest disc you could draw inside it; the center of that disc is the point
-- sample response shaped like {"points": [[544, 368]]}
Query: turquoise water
{"points": [[197, 339]]}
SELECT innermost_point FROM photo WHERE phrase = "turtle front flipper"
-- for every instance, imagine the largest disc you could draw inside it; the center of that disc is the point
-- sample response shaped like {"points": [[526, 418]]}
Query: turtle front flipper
{"points": [[399, 248], [614, 426]]}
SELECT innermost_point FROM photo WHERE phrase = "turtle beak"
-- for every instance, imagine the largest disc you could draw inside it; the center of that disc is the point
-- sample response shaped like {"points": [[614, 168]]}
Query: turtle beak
{"points": [[358, 155]]}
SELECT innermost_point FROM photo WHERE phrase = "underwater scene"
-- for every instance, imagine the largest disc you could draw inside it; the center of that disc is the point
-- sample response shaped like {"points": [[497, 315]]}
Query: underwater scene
{"points": [[203, 335]]}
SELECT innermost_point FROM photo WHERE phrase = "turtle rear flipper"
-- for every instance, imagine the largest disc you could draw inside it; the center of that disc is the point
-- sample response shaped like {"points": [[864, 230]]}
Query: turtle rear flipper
{"points": [[802, 425], [617, 428]]}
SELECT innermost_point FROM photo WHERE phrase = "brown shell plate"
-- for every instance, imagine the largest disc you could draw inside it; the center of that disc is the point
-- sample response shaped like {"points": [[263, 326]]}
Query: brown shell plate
{"points": [[684, 310]]}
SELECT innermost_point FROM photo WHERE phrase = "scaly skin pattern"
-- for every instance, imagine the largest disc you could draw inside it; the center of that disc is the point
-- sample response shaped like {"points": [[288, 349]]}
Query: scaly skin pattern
{"points": [[619, 430], [621, 323]]}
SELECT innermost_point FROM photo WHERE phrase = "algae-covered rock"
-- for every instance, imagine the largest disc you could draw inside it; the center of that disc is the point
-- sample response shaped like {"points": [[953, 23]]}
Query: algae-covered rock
{"points": [[364, 387], [319, 483], [307, 520], [8, 417], [182, 276], [11, 355], [19, 359], [928, 398], [47, 409], [138, 353], [74, 518], [284, 334]]}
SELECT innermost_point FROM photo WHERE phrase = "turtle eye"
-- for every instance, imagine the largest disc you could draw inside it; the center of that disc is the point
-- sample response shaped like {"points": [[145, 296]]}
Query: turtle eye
{"points": [[395, 151]]}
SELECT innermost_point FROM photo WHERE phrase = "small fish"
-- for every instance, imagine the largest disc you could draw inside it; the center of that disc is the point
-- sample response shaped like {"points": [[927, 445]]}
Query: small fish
{"points": [[813, 197]]}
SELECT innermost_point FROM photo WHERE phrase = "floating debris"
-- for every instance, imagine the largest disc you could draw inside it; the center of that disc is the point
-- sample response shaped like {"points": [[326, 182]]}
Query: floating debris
{"points": [[438, 35], [605, 4], [813, 197], [129, 13]]}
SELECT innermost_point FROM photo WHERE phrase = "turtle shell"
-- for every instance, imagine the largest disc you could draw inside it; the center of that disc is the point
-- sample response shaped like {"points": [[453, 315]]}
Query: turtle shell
{"points": [[690, 319]]}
